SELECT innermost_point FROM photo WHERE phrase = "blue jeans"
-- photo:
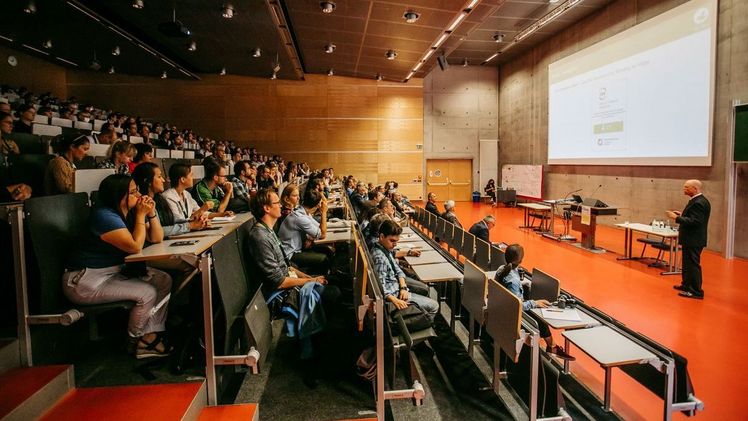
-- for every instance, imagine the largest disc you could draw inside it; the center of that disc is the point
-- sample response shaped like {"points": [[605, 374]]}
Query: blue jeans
{"points": [[427, 304]]}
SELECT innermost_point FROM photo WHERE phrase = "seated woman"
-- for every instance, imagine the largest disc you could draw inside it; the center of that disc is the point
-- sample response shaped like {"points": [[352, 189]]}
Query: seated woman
{"points": [[490, 190], [120, 155], [7, 146], [290, 198], [508, 276], [120, 224], [143, 153], [181, 212], [60, 172]]}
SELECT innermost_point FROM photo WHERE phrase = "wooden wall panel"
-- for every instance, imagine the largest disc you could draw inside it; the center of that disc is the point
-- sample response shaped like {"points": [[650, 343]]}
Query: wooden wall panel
{"points": [[358, 126]]}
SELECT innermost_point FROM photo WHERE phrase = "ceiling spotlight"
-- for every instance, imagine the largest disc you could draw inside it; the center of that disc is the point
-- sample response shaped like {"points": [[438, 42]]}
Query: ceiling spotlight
{"points": [[465, 62], [411, 16], [327, 6], [47, 44], [192, 46], [111, 70], [256, 52], [274, 76], [498, 37], [390, 54], [30, 8], [222, 72], [329, 48], [138, 4], [227, 11], [164, 75], [379, 77], [116, 51], [330, 72]]}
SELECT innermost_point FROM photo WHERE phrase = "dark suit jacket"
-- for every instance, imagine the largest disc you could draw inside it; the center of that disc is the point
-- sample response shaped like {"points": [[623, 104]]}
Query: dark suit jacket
{"points": [[479, 230], [431, 207], [451, 217], [693, 221]]}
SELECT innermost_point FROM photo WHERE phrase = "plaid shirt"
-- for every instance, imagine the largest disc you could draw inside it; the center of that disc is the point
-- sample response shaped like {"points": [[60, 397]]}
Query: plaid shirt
{"points": [[122, 169], [387, 269], [241, 190]]}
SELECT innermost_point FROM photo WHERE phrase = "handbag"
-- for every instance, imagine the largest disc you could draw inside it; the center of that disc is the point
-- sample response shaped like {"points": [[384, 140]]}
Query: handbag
{"points": [[414, 317]]}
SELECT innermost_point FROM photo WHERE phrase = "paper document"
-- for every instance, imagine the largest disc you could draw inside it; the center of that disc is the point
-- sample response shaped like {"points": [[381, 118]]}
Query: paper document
{"points": [[223, 218], [569, 314]]}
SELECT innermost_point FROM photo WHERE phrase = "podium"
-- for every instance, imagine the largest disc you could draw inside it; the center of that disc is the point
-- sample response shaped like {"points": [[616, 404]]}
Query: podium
{"points": [[588, 231]]}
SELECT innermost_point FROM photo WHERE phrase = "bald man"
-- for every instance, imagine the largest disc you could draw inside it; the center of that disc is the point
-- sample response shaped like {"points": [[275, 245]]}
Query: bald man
{"points": [[692, 228]]}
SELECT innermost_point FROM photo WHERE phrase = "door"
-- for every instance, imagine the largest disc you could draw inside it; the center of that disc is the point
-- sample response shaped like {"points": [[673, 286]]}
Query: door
{"points": [[450, 179]]}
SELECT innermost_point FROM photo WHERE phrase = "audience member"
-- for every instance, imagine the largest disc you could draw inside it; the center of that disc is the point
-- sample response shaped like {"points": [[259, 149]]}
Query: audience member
{"points": [[143, 153], [300, 229], [449, 213], [120, 156], [182, 213], [481, 228], [211, 188], [26, 114], [60, 172], [431, 204], [120, 224], [242, 186], [7, 146]]}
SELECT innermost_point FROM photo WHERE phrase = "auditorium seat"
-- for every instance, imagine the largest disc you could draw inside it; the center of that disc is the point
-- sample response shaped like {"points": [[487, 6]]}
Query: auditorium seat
{"points": [[45, 130], [29, 143], [29, 169], [61, 122]]}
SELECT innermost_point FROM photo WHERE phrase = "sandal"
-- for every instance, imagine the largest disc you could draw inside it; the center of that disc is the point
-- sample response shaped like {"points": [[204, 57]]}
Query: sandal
{"points": [[150, 349]]}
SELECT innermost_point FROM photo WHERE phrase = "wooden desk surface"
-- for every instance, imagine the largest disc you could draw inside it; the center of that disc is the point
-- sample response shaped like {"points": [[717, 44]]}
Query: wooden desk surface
{"points": [[221, 231], [437, 272], [414, 244], [426, 258], [535, 206], [585, 322], [335, 235], [407, 238], [647, 229], [608, 347], [165, 250], [239, 218]]}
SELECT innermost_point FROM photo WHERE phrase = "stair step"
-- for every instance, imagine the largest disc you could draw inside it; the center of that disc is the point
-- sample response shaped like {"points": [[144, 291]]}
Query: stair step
{"points": [[126, 403], [9, 354], [25, 393], [244, 412]]}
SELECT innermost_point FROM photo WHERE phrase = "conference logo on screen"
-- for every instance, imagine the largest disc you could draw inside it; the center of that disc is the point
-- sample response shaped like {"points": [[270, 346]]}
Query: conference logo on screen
{"points": [[700, 15]]}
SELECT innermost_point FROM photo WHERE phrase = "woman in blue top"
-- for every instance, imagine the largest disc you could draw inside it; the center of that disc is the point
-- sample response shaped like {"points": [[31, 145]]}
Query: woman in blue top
{"points": [[509, 277], [119, 225]]}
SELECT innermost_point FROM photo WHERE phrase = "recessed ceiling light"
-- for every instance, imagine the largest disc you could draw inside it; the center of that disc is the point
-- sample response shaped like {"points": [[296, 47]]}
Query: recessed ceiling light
{"points": [[390, 54], [498, 37], [378, 77], [329, 48], [30, 8], [138, 4], [222, 72], [327, 6], [47, 44], [227, 11], [465, 62], [330, 72], [111, 70], [116, 51], [164, 75], [411, 16], [256, 52], [192, 46]]}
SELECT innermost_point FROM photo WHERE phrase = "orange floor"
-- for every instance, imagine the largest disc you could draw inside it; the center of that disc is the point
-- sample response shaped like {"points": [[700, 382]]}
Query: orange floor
{"points": [[705, 332]]}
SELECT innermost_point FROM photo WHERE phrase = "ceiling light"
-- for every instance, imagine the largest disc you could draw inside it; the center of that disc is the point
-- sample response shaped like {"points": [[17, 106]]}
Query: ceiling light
{"points": [[390, 54], [94, 64], [411, 16], [138, 4], [330, 72], [329, 48], [492, 57], [274, 76], [116, 51], [465, 62], [192, 46], [30, 8], [256, 52], [379, 77], [164, 75], [227, 11], [327, 6], [111, 70], [498, 37], [222, 72], [47, 44]]}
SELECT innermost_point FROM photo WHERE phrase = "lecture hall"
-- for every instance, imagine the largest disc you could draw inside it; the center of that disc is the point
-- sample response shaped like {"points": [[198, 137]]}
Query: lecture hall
{"points": [[373, 209]]}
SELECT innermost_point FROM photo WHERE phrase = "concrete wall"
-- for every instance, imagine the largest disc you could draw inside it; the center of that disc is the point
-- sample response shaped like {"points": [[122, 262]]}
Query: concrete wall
{"points": [[460, 108], [37, 75], [641, 193]]}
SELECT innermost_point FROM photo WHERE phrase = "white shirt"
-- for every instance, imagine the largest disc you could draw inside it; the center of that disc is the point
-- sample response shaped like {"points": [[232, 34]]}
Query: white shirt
{"points": [[181, 207]]}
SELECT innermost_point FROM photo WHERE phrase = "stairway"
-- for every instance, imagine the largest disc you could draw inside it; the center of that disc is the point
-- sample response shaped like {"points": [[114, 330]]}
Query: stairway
{"points": [[48, 393]]}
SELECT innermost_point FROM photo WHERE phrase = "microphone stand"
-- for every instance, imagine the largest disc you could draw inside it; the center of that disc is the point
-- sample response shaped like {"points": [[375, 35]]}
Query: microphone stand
{"points": [[567, 221]]}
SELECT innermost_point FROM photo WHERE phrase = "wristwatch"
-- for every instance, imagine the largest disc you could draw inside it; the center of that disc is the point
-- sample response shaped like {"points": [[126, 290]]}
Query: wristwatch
{"points": [[405, 288]]}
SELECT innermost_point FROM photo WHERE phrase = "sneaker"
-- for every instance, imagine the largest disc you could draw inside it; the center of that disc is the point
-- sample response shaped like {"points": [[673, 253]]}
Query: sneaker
{"points": [[560, 353]]}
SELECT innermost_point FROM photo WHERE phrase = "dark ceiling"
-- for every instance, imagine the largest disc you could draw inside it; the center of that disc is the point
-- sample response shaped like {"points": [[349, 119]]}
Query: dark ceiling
{"points": [[290, 33]]}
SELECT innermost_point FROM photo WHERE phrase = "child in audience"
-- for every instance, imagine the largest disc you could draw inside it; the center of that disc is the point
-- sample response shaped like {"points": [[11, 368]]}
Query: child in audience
{"points": [[120, 224], [509, 277], [60, 172]]}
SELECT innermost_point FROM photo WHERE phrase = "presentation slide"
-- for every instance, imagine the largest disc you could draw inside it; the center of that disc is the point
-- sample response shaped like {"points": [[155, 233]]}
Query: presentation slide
{"points": [[641, 97]]}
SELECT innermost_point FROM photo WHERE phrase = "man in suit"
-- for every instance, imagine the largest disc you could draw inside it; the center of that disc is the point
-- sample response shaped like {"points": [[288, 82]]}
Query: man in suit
{"points": [[480, 229], [449, 213], [431, 204], [692, 228]]}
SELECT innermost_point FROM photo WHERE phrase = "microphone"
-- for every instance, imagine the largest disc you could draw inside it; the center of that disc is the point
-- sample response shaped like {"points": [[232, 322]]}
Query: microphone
{"points": [[572, 192], [596, 189]]}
